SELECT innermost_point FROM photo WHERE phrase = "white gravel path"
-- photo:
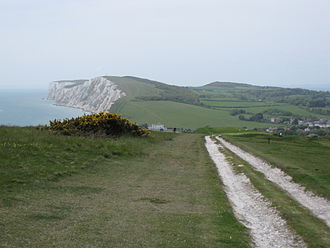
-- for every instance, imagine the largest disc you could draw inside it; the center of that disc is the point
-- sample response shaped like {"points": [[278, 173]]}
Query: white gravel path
{"points": [[319, 206], [267, 228]]}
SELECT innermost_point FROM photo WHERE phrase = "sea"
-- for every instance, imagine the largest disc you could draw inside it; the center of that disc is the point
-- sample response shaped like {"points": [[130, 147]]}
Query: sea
{"points": [[31, 108]]}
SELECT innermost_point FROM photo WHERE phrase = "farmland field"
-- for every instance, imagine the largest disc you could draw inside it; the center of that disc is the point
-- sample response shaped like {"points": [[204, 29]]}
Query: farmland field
{"points": [[258, 107], [285, 107], [174, 114], [237, 104]]}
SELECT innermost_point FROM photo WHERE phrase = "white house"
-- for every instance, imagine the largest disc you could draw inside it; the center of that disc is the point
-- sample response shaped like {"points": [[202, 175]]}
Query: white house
{"points": [[157, 127]]}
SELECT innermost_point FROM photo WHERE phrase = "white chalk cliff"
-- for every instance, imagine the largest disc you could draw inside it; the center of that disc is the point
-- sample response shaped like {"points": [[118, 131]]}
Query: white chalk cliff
{"points": [[94, 95]]}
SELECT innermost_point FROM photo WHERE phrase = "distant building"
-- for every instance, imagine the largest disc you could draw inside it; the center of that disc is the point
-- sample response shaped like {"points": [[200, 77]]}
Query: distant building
{"points": [[157, 127], [321, 125], [276, 120], [312, 135]]}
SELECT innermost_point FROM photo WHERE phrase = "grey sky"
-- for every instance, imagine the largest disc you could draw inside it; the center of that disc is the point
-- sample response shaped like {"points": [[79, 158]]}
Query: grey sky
{"points": [[183, 42]]}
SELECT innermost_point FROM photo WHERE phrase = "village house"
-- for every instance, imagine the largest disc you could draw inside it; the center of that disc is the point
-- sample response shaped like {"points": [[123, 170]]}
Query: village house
{"points": [[157, 127]]}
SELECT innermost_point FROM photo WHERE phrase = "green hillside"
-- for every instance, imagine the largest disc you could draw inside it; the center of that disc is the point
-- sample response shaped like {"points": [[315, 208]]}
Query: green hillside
{"points": [[217, 104], [300, 102], [175, 114]]}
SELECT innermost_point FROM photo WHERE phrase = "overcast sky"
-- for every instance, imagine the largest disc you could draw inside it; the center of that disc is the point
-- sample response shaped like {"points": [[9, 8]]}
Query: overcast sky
{"points": [[183, 42]]}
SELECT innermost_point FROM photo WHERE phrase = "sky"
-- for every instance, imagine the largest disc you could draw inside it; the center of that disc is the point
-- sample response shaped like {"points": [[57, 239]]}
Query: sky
{"points": [[182, 42]]}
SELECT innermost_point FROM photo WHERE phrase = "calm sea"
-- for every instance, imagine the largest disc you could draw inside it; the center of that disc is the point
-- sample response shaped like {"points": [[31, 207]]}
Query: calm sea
{"points": [[31, 108]]}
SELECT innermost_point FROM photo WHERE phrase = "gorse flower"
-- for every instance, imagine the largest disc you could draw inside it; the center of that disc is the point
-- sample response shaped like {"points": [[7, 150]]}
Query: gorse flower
{"points": [[101, 123]]}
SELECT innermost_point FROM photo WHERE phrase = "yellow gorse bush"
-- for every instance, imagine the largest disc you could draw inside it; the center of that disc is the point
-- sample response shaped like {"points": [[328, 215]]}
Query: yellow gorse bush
{"points": [[101, 123]]}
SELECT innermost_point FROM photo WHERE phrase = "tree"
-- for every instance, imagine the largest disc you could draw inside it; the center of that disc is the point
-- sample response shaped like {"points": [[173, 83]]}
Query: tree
{"points": [[257, 117]]}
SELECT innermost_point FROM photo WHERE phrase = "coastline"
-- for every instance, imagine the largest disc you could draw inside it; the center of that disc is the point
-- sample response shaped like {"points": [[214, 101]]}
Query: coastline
{"points": [[31, 108]]}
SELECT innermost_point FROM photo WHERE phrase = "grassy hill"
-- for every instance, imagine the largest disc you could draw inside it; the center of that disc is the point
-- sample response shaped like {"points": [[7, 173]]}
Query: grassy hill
{"points": [[175, 114], [253, 99], [216, 104]]}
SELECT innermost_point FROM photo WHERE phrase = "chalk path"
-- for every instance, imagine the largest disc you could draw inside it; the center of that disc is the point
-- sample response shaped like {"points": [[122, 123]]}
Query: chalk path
{"points": [[319, 206], [266, 227]]}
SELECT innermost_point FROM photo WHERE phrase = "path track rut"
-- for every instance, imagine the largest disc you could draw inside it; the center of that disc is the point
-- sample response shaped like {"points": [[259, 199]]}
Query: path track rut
{"points": [[266, 226], [319, 206]]}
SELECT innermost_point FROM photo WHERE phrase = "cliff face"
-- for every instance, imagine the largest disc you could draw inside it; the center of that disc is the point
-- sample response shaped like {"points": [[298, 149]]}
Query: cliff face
{"points": [[95, 95]]}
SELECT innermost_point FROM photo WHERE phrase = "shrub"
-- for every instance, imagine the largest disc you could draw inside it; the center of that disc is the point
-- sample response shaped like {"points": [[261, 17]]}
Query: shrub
{"points": [[97, 124], [237, 112]]}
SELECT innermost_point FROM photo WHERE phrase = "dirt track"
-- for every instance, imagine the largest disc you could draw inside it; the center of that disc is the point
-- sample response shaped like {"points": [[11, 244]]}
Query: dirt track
{"points": [[319, 206], [266, 226]]}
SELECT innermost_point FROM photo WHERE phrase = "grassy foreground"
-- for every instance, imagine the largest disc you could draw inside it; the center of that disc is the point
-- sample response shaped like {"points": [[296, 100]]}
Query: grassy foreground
{"points": [[160, 191]]}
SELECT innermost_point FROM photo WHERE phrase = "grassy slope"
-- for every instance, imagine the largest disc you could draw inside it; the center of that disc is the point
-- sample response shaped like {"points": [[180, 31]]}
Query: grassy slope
{"points": [[28, 155], [285, 107], [161, 191], [257, 107], [307, 161], [132, 88], [135, 88], [230, 97], [238, 104], [174, 114]]}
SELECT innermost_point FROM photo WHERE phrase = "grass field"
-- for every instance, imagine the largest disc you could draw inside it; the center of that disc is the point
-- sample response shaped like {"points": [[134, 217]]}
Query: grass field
{"points": [[238, 104], [161, 191], [258, 107], [28, 155], [134, 88], [285, 107], [174, 114], [306, 160]]}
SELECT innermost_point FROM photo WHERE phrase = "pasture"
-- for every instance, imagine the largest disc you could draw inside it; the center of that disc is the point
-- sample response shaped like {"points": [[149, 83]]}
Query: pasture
{"points": [[175, 114]]}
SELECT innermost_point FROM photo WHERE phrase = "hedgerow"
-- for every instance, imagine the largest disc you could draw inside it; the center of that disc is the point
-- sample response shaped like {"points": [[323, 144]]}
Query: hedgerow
{"points": [[97, 124]]}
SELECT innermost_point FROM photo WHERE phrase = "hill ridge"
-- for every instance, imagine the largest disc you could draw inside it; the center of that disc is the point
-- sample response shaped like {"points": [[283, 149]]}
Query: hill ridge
{"points": [[231, 84], [214, 104]]}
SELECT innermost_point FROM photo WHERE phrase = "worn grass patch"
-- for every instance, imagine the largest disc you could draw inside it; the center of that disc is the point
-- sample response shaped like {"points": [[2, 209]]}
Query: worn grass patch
{"points": [[154, 200], [45, 217]]}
